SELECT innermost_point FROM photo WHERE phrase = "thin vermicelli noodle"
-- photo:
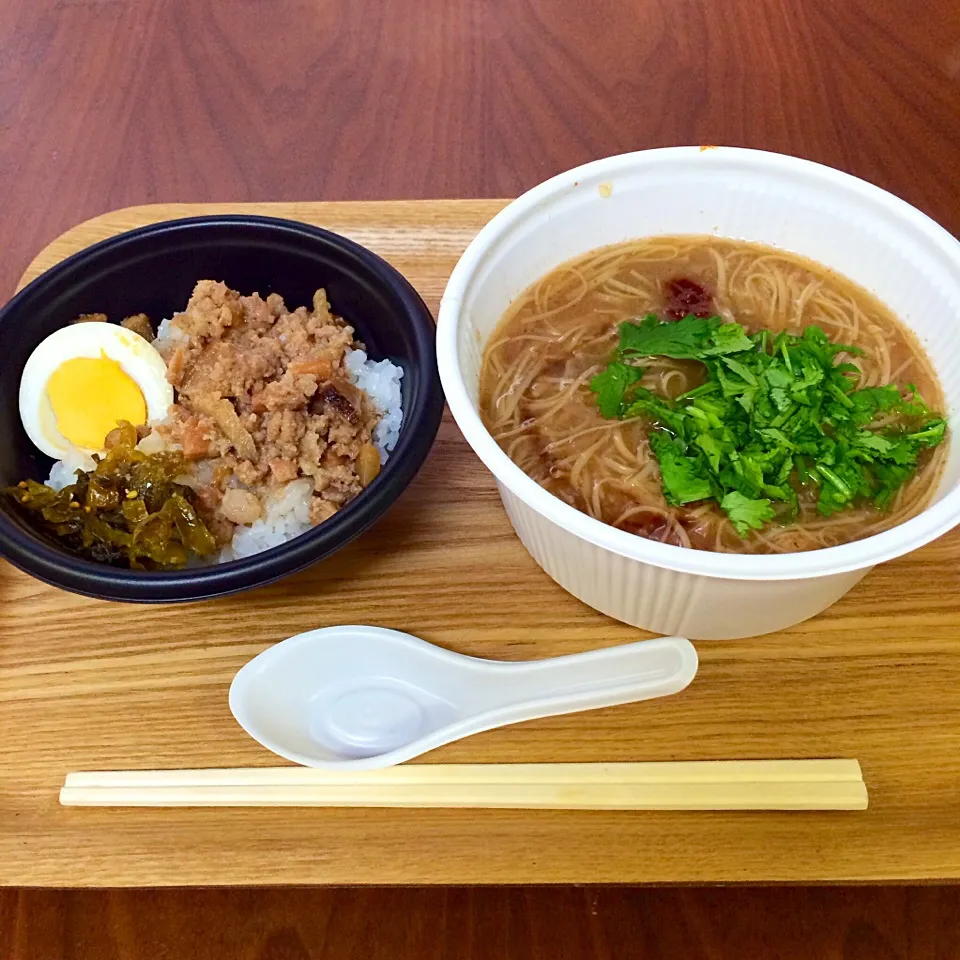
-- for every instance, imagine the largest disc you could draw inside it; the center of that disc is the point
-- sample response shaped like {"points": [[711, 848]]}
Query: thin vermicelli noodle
{"points": [[537, 403]]}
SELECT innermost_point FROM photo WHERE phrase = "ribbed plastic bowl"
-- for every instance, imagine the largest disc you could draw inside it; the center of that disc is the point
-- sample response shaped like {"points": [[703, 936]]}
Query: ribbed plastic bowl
{"points": [[871, 236]]}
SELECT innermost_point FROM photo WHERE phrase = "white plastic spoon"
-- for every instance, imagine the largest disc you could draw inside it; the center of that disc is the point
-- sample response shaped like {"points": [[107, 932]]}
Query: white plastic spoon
{"points": [[358, 697]]}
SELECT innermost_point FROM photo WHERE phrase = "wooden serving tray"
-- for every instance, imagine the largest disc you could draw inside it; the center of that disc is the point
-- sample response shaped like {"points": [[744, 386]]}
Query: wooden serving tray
{"points": [[87, 685]]}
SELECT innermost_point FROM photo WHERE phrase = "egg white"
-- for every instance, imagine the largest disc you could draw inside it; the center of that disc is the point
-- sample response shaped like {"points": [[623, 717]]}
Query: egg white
{"points": [[138, 359]]}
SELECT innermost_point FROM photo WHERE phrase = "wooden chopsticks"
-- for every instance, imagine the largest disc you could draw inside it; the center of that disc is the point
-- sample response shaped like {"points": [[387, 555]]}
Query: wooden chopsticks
{"points": [[686, 785]]}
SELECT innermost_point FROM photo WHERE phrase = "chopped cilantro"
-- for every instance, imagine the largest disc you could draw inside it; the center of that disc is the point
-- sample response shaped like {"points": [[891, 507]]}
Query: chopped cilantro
{"points": [[776, 415], [691, 338], [611, 385], [746, 514], [683, 478]]}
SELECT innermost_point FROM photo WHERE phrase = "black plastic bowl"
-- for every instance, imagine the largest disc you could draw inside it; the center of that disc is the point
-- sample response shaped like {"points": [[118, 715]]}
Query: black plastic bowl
{"points": [[153, 270]]}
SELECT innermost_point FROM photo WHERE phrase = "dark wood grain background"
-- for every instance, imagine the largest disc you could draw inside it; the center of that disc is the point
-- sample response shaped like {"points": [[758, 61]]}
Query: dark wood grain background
{"points": [[105, 103], [537, 923]]}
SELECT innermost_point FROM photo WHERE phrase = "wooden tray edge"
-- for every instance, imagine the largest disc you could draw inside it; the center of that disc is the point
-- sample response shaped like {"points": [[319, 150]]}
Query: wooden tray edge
{"points": [[142, 214]]}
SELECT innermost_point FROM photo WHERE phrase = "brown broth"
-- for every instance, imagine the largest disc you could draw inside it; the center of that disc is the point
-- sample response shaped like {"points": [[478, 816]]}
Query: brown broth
{"points": [[535, 399]]}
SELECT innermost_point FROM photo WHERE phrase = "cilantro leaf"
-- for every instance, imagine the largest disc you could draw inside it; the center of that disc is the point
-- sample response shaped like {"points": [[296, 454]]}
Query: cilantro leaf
{"points": [[729, 338], [661, 411], [873, 400], [692, 338], [781, 399], [872, 442], [710, 446], [746, 514], [683, 339], [610, 386], [778, 376], [741, 370], [683, 477]]}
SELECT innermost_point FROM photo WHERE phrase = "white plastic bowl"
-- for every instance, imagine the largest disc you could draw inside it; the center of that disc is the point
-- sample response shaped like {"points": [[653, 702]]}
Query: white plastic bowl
{"points": [[876, 239]]}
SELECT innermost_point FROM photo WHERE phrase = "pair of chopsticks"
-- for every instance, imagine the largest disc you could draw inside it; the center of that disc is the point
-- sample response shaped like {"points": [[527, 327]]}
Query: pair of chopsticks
{"points": [[688, 785]]}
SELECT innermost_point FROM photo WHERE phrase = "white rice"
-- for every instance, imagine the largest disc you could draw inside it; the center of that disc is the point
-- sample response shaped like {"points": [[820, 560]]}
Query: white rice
{"points": [[288, 515], [380, 381], [63, 472], [167, 335], [288, 512]]}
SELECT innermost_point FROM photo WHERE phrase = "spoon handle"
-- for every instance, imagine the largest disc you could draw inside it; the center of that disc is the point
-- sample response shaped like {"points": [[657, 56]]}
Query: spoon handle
{"points": [[599, 678]]}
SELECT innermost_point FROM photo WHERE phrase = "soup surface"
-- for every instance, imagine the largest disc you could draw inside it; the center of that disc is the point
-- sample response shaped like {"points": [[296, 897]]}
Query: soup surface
{"points": [[680, 388]]}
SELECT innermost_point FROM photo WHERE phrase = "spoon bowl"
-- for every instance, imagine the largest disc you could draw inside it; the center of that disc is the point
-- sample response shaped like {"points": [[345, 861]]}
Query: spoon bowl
{"points": [[359, 697]]}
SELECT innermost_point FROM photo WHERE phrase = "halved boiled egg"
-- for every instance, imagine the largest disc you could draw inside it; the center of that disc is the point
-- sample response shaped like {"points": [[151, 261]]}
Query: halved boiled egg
{"points": [[83, 380]]}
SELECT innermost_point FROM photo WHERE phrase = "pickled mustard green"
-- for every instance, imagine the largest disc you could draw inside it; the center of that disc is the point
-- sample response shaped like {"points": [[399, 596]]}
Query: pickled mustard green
{"points": [[128, 511]]}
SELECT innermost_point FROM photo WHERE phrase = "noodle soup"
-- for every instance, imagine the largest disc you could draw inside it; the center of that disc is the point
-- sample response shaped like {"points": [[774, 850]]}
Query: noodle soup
{"points": [[644, 469]]}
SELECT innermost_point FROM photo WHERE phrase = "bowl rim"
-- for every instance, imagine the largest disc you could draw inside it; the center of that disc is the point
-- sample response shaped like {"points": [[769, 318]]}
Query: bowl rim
{"points": [[934, 521], [30, 553]]}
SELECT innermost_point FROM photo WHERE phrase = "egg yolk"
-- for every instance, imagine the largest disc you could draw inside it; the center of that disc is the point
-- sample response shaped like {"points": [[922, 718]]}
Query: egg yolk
{"points": [[90, 396]]}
